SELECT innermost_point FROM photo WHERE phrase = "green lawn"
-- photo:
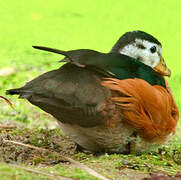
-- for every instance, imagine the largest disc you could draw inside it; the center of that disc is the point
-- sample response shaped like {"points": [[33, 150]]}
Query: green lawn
{"points": [[68, 24]]}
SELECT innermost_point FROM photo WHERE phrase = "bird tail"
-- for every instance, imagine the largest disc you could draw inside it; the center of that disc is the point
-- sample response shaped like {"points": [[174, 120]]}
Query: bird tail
{"points": [[21, 92], [13, 91]]}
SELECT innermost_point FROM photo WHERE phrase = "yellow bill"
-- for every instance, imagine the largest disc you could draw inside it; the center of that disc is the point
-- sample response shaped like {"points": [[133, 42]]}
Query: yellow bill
{"points": [[162, 69]]}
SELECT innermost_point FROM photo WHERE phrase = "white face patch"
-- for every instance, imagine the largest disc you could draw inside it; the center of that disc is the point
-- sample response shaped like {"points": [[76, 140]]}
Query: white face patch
{"points": [[140, 49]]}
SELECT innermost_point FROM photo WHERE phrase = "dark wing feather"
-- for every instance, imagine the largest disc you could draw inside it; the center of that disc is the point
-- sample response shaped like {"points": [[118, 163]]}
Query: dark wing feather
{"points": [[71, 94]]}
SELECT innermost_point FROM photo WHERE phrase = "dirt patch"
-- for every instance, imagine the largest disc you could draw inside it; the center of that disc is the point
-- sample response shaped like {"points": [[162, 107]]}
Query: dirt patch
{"points": [[57, 147], [52, 140]]}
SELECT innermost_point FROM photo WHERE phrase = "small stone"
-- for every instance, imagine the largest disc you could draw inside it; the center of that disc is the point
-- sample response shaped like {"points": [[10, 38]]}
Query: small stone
{"points": [[7, 71]]}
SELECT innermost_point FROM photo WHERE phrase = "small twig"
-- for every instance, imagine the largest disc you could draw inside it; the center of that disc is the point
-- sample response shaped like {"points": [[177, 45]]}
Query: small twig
{"points": [[87, 169], [7, 101], [52, 176], [7, 127], [25, 145], [76, 163]]}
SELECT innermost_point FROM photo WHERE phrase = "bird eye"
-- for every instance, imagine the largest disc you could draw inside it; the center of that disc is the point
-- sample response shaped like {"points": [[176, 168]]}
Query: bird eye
{"points": [[153, 49]]}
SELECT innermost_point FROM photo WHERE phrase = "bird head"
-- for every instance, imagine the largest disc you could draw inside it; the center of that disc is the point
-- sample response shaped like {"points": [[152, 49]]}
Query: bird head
{"points": [[145, 48]]}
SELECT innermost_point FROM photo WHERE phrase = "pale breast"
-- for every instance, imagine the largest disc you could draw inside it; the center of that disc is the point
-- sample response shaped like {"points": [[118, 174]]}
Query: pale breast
{"points": [[114, 140]]}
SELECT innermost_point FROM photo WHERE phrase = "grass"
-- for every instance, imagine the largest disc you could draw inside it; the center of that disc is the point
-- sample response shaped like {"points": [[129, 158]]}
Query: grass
{"points": [[17, 157], [69, 24], [8, 172]]}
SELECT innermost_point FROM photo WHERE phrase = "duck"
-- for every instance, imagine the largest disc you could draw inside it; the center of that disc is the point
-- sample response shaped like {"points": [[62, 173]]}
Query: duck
{"points": [[116, 102]]}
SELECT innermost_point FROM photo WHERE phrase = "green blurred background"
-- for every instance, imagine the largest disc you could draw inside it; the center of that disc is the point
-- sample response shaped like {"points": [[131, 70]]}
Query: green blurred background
{"points": [[70, 24]]}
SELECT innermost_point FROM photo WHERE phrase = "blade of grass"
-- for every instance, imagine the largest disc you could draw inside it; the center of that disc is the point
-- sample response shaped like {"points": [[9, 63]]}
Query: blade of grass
{"points": [[50, 175], [72, 161]]}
